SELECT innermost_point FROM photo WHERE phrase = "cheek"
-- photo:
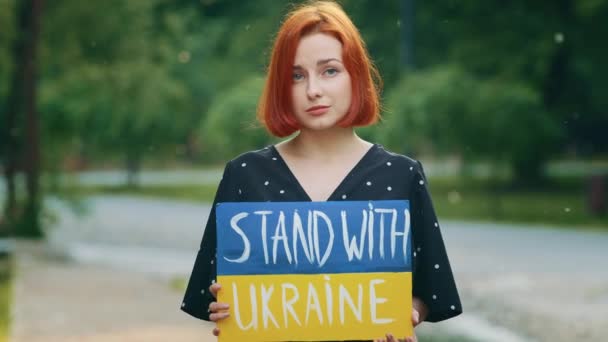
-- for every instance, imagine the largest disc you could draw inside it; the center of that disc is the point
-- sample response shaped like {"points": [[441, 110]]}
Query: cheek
{"points": [[295, 97], [346, 90]]}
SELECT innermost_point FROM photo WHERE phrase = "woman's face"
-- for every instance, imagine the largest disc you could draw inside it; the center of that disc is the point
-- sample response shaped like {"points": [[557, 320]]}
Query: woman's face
{"points": [[321, 89]]}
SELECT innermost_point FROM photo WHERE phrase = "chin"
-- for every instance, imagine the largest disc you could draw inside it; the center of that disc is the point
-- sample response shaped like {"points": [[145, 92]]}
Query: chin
{"points": [[321, 124]]}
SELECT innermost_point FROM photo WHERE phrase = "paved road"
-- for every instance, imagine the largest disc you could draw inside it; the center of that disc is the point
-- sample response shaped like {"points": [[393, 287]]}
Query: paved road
{"points": [[518, 283]]}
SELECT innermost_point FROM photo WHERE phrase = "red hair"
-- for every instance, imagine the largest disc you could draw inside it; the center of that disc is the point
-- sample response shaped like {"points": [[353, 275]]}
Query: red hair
{"points": [[275, 106]]}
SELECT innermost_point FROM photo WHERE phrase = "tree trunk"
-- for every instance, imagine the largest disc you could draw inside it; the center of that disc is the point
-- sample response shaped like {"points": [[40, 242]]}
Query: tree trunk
{"points": [[31, 223], [12, 131], [407, 34], [133, 163]]}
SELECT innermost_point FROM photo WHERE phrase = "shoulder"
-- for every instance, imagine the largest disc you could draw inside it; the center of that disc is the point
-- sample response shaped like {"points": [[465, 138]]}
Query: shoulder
{"points": [[252, 157], [396, 159], [253, 162]]}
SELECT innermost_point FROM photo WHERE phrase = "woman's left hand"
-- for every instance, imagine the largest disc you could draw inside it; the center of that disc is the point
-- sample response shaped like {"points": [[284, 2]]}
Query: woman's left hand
{"points": [[419, 310], [391, 338]]}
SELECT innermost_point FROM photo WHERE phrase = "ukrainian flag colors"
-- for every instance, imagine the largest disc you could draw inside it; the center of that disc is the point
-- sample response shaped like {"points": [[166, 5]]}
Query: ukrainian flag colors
{"points": [[295, 271]]}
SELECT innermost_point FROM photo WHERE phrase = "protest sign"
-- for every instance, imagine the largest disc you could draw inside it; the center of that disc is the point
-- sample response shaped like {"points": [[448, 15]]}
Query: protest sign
{"points": [[314, 270]]}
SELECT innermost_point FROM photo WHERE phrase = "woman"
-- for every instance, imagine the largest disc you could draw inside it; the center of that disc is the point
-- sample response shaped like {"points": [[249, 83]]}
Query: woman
{"points": [[320, 84]]}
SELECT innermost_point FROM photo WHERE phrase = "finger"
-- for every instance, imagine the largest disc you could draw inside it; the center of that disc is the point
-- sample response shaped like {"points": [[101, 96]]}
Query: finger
{"points": [[215, 306], [390, 338], [218, 316], [216, 331], [214, 288], [415, 317]]}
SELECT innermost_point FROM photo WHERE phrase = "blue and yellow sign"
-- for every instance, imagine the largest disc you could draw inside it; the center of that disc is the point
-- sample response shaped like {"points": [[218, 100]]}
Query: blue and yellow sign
{"points": [[302, 271]]}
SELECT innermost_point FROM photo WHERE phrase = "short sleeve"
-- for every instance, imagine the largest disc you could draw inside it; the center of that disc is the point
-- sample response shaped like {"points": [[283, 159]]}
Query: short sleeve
{"points": [[197, 297], [433, 281]]}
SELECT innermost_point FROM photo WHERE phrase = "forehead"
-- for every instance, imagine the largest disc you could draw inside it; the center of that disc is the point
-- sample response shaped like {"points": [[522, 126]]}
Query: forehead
{"points": [[317, 46]]}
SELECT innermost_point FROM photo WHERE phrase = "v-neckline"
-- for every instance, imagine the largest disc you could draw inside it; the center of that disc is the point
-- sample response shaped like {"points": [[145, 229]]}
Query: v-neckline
{"points": [[340, 184]]}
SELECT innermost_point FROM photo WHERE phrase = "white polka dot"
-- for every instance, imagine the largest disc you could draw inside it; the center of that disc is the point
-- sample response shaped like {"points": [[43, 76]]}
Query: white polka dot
{"points": [[419, 249], [282, 191], [274, 158], [389, 188], [343, 196], [434, 296], [421, 182], [414, 254], [244, 164], [266, 183], [212, 261], [240, 192], [368, 183], [411, 168], [213, 281], [183, 305], [436, 224], [436, 266], [203, 291], [453, 307], [389, 163]]}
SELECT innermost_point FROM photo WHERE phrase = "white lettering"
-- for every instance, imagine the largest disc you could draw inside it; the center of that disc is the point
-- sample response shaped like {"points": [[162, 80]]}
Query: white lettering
{"points": [[373, 301], [246, 245], [288, 303]]}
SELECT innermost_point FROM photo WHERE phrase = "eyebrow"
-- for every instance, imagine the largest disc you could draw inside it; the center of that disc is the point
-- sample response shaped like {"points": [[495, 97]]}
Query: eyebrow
{"points": [[321, 62]]}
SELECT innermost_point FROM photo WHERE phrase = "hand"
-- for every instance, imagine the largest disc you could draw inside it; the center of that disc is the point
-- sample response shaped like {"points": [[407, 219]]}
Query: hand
{"points": [[219, 311], [391, 338], [417, 307]]}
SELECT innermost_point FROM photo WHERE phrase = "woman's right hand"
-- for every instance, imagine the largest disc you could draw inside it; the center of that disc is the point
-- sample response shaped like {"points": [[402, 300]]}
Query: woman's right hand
{"points": [[219, 311]]}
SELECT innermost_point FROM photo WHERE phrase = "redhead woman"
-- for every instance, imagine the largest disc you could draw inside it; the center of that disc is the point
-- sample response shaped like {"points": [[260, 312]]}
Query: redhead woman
{"points": [[321, 84]]}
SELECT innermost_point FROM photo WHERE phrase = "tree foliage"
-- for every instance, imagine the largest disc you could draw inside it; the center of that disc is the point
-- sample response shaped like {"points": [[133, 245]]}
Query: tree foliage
{"points": [[140, 79]]}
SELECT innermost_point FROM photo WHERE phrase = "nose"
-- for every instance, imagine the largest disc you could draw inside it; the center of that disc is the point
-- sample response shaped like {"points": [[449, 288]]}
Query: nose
{"points": [[313, 89]]}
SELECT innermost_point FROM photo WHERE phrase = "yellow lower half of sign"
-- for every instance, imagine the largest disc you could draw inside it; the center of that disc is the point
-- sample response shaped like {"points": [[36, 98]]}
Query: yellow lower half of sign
{"points": [[316, 307]]}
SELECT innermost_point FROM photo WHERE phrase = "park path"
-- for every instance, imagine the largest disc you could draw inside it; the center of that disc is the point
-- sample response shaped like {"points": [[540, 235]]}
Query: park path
{"points": [[59, 300], [106, 276]]}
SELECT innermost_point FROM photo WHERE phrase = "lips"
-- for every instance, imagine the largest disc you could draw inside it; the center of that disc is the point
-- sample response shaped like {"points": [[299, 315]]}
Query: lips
{"points": [[317, 110]]}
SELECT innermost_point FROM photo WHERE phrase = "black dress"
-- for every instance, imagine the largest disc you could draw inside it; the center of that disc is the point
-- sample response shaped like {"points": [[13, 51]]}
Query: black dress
{"points": [[262, 175]]}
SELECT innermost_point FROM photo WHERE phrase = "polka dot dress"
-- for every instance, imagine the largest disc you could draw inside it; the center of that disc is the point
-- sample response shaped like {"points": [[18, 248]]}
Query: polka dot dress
{"points": [[263, 175]]}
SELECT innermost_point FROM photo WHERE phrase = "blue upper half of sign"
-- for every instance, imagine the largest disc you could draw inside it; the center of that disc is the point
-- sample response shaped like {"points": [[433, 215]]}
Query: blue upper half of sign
{"points": [[313, 237]]}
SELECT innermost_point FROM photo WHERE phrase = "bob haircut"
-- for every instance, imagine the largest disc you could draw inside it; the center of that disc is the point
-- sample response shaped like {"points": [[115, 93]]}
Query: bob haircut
{"points": [[275, 105]]}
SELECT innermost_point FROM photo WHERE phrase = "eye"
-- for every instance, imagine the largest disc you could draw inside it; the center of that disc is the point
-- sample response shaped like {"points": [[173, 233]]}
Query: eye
{"points": [[331, 71], [297, 76]]}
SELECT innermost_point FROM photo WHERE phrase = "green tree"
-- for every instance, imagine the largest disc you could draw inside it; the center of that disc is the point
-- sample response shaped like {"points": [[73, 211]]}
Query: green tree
{"points": [[230, 127], [497, 121]]}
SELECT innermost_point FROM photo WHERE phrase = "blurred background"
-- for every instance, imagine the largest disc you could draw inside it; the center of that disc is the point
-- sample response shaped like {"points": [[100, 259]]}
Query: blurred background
{"points": [[116, 118]]}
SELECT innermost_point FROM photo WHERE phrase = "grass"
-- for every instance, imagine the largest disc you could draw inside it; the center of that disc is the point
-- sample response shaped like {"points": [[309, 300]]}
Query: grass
{"points": [[178, 284], [559, 202], [197, 193], [5, 297]]}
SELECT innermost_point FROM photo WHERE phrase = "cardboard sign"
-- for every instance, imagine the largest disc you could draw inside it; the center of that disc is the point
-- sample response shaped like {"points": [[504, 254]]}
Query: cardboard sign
{"points": [[302, 271]]}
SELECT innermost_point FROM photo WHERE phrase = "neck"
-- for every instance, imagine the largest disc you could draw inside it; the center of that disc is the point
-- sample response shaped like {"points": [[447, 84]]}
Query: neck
{"points": [[326, 144]]}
